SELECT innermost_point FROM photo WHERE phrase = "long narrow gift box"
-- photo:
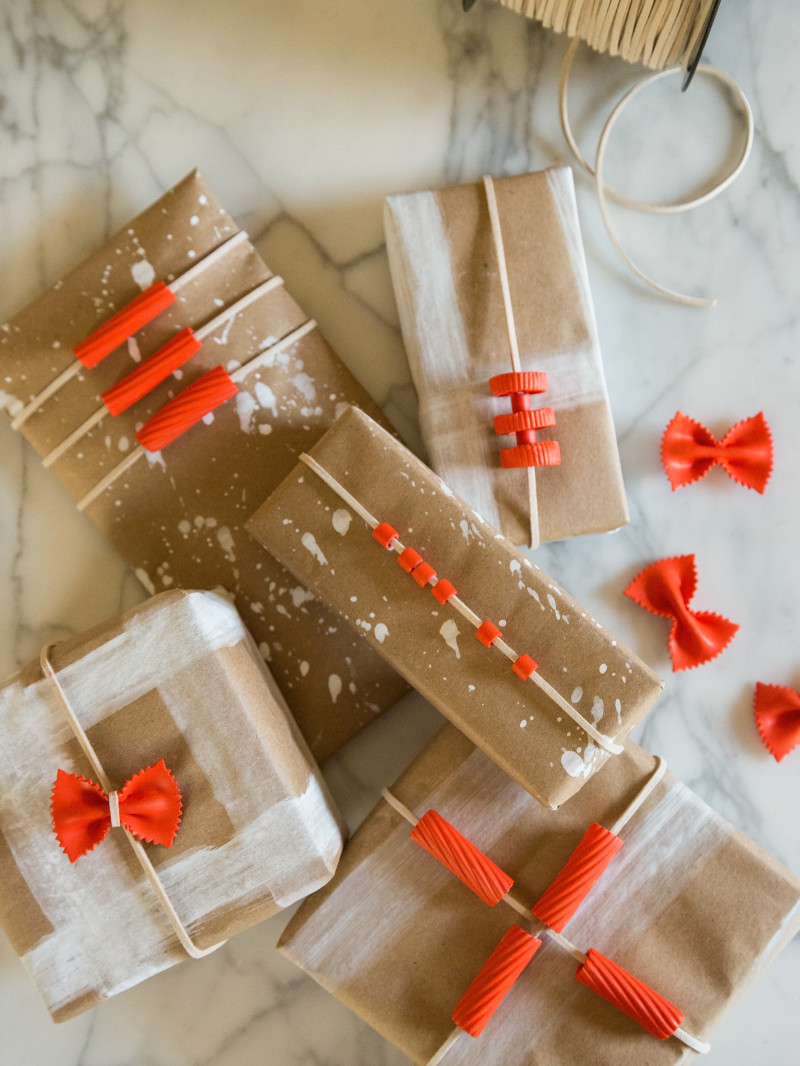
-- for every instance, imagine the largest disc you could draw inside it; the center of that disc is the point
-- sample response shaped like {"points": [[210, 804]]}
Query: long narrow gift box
{"points": [[445, 272], [176, 515], [551, 725], [684, 915], [178, 679]]}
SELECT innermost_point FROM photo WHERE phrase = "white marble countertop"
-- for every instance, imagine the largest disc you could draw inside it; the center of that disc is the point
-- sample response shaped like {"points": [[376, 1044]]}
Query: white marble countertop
{"points": [[302, 116]]}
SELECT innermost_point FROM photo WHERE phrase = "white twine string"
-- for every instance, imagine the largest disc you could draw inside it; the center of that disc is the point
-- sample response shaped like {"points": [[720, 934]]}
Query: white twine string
{"points": [[604, 192], [236, 376], [539, 928], [86, 746], [607, 743], [513, 343], [199, 334], [75, 368]]}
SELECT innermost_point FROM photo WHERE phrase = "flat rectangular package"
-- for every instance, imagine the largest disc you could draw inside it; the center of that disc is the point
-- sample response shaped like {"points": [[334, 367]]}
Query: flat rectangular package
{"points": [[180, 679], [177, 516], [551, 732], [689, 905], [445, 274]]}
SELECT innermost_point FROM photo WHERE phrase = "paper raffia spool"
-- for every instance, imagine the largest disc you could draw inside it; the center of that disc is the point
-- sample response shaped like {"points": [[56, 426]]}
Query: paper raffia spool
{"points": [[637, 31], [668, 37]]}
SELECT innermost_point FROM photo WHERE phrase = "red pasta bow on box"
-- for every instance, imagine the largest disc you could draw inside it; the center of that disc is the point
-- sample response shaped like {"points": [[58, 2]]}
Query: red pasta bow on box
{"points": [[666, 588], [689, 450], [777, 714], [149, 807]]}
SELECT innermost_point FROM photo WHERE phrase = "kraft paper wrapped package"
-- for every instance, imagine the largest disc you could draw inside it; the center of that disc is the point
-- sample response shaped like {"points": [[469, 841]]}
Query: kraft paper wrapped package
{"points": [[177, 679], [550, 732], [689, 906], [445, 273], [177, 516]]}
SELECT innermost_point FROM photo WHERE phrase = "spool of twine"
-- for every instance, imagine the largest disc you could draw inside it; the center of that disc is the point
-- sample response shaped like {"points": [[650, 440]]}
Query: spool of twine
{"points": [[667, 36], [656, 33]]}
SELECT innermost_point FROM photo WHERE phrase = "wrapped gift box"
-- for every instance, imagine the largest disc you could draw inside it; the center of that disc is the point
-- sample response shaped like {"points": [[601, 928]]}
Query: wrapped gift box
{"points": [[177, 679], [445, 274], [176, 516], [550, 732], [689, 905]]}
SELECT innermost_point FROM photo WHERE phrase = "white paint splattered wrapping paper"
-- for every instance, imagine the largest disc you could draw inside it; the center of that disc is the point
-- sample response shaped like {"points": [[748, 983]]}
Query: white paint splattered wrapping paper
{"points": [[178, 679], [690, 905], [445, 275], [177, 518], [305, 524]]}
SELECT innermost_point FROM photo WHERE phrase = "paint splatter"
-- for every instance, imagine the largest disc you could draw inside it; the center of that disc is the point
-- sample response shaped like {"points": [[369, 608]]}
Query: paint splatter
{"points": [[340, 520], [450, 631], [309, 542], [598, 709], [143, 274], [334, 687], [305, 386], [266, 398], [304, 668], [382, 632], [245, 409], [301, 595], [226, 542], [577, 694], [577, 766]]}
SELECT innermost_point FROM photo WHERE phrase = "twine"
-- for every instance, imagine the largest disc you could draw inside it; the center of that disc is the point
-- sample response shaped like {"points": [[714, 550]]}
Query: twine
{"points": [[608, 744], [144, 861], [538, 928]]}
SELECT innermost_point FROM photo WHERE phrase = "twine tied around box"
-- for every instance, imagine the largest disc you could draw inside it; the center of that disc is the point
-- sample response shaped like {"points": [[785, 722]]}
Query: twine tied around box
{"points": [[167, 906], [445, 593], [547, 916], [519, 386], [194, 403]]}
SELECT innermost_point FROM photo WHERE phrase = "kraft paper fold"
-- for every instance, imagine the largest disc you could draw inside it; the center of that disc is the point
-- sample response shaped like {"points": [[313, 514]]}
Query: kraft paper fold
{"points": [[332, 552], [445, 275], [178, 678], [178, 517], [689, 905]]}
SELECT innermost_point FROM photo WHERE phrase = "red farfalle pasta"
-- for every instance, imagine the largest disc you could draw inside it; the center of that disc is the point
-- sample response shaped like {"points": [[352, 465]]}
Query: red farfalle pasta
{"points": [[777, 713], [745, 453], [666, 588], [149, 807]]}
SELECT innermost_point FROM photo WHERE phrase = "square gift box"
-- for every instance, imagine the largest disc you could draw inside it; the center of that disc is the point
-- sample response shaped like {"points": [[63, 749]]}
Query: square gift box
{"points": [[689, 906], [445, 273], [549, 727], [177, 679], [177, 515]]}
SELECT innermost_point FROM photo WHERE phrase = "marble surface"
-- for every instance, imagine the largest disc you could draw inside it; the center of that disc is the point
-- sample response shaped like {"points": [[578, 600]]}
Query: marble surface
{"points": [[303, 115]]}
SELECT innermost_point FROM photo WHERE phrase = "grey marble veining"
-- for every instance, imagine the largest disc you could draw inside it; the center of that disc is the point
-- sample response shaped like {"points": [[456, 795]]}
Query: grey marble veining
{"points": [[303, 116]]}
